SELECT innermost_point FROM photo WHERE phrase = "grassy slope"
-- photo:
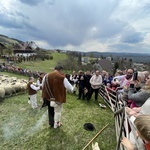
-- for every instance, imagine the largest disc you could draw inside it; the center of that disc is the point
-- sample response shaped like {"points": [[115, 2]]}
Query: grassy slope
{"points": [[46, 65], [24, 128], [2, 38]]}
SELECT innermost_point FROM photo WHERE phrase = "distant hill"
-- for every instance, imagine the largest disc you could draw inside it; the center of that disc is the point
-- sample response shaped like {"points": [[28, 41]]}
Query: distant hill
{"points": [[136, 57], [7, 40]]}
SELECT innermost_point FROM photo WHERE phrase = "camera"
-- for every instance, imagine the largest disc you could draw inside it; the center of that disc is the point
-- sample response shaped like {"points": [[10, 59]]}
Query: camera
{"points": [[135, 75]]}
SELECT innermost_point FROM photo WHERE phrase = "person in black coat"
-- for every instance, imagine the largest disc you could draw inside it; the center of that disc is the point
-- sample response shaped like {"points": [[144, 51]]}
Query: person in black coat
{"points": [[81, 84], [87, 83]]}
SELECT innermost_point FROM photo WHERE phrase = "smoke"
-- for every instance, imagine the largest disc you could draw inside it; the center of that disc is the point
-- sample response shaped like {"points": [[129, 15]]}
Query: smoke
{"points": [[12, 128], [15, 127], [38, 125]]}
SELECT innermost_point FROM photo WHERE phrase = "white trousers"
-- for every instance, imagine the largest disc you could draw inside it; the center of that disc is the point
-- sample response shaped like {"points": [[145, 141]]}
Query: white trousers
{"points": [[33, 101], [57, 111]]}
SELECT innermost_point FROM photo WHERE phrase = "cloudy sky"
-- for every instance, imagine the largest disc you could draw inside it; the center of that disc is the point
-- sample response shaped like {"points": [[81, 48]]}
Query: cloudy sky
{"points": [[82, 25]]}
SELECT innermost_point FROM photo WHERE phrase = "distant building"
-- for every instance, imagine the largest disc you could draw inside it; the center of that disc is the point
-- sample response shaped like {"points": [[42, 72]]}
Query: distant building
{"points": [[24, 49], [97, 66], [139, 66], [106, 65], [85, 60], [108, 58]]}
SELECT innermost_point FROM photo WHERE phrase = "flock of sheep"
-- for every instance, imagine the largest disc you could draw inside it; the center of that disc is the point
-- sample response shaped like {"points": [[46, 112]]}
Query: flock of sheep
{"points": [[11, 86]]}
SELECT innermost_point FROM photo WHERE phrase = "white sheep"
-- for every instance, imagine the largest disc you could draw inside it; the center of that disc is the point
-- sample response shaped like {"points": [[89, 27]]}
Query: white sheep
{"points": [[16, 86], [2, 93], [8, 89]]}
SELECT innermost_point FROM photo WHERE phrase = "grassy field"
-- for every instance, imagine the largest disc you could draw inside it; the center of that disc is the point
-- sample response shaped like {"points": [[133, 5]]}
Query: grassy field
{"points": [[22, 128], [44, 66]]}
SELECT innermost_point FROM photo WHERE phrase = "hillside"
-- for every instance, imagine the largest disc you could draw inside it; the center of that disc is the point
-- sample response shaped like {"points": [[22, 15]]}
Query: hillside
{"points": [[7, 40], [136, 57]]}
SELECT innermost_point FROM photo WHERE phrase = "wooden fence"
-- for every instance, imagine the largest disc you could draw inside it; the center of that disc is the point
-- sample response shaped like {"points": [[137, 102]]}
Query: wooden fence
{"points": [[110, 97]]}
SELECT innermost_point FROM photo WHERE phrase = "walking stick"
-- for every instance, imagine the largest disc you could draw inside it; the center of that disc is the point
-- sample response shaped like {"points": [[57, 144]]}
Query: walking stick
{"points": [[94, 137]]}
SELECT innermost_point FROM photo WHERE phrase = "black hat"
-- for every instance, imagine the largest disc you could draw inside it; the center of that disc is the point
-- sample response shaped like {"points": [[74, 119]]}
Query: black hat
{"points": [[89, 127], [58, 68]]}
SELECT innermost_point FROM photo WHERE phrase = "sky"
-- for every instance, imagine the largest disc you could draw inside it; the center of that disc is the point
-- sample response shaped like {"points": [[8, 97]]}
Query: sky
{"points": [[80, 25]]}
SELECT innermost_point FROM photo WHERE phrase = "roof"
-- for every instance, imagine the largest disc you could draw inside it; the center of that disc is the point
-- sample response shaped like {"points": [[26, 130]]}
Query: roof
{"points": [[24, 46], [106, 65]]}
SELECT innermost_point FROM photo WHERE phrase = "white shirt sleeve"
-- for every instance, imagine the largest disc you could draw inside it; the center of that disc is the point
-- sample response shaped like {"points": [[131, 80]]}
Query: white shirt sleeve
{"points": [[38, 83], [34, 87], [119, 77], [67, 85]]}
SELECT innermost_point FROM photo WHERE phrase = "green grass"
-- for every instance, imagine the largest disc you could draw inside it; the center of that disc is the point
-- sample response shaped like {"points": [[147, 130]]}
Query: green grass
{"points": [[22, 128], [44, 66]]}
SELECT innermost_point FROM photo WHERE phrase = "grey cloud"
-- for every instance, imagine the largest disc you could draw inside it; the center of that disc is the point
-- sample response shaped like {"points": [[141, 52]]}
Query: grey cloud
{"points": [[31, 2], [8, 22], [16, 22], [74, 22], [22, 15], [76, 19], [146, 9], [130, 35], [36, 2]]}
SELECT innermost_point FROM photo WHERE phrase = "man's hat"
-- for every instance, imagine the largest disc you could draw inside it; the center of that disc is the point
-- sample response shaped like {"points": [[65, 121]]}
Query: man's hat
{"points": [[89, 127]]}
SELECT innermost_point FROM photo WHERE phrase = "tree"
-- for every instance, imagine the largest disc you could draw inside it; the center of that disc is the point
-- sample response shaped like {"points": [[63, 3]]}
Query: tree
{"points": [[116, 66], [79, 59], [91, 55], [9, 50], [130, 62]]}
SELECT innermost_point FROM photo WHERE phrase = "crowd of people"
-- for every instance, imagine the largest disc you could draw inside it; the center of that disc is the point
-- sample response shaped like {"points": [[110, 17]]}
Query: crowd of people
{"points": [[131, 86], [18, 70]]}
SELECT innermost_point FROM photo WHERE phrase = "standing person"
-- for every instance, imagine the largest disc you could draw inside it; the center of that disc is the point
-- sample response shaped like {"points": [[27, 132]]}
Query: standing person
{"points": [[54, 90], [95, 81], [81, 84], [87, 83], [40, 78], [139, 97], [32, 90], [74, 80], [124, 80]]}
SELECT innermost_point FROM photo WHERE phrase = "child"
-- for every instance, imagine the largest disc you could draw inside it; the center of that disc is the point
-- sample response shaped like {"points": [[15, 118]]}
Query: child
{"points": [[39, 83], [32, 90], [142, 123]]}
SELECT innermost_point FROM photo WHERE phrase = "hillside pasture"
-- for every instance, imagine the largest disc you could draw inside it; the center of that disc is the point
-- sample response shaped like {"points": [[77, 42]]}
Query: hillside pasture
{"points": [[21, 127], [46, 65]]}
